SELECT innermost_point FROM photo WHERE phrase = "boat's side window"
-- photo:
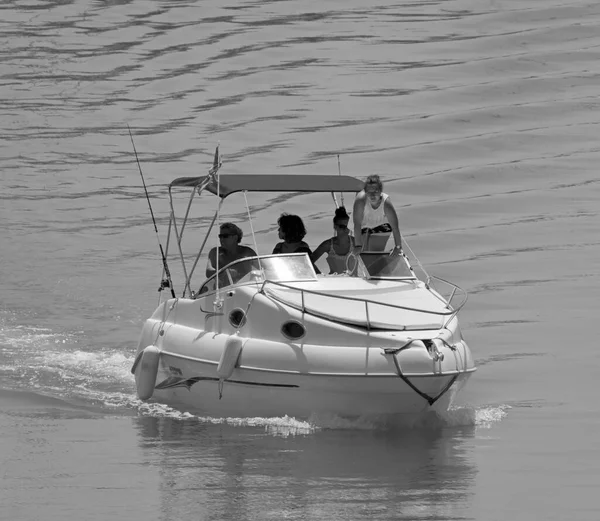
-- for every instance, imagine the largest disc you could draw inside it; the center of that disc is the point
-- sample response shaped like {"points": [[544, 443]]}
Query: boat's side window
{"points": [[211, 284], [208, 286], [242, 268], [225, 278]]}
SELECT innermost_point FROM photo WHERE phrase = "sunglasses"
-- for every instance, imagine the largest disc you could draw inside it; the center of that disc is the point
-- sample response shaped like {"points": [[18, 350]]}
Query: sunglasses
{"points": [[341, 226], [225, 235]]}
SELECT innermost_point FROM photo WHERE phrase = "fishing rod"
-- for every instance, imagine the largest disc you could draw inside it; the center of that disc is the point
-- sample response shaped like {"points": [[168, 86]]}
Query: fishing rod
{"points": [[163, 283]]}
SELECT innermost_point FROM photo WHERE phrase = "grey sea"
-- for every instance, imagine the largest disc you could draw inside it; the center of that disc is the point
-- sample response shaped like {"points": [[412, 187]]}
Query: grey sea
{"points": [[482, 117]]}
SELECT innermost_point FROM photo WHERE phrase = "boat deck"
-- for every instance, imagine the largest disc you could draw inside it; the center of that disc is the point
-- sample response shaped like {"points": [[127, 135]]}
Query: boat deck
{"points": [[377, 304]]}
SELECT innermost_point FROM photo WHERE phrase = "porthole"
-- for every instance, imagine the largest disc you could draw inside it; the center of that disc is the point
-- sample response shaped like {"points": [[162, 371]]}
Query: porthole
{"points": [[237, 318], [293, 330]]}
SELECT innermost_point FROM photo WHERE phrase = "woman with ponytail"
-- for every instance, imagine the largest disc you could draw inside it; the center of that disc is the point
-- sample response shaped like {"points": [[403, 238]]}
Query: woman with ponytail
{"points": [[337, 247]]}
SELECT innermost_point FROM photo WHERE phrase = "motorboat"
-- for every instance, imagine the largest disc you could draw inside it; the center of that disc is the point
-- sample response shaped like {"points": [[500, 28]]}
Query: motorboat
{"points": [[267, 336]]}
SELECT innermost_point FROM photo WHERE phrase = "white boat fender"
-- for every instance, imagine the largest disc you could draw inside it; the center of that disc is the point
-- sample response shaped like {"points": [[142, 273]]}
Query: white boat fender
{"points": [[148, 369], [229, 358]]}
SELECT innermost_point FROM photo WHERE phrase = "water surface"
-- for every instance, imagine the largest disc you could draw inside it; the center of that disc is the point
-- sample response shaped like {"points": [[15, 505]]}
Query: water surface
{"points": [[481, 118]]}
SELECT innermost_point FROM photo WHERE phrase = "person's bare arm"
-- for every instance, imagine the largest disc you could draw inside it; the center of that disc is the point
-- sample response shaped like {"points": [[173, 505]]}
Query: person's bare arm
{"points": [[358, 211], [321, 249], [210, 269], [392, 218]]}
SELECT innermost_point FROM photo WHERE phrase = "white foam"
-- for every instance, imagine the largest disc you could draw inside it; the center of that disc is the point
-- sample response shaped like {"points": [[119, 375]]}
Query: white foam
{"points": [[104, 377], [282, 426], [17, 338], [480, 416], [54, 363], [289, 426], [97, 366]]}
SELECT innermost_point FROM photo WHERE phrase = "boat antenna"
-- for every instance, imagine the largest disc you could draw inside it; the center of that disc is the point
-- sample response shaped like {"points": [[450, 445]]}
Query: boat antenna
{"points": [[166, 283], [333, 193], [340, 173]]}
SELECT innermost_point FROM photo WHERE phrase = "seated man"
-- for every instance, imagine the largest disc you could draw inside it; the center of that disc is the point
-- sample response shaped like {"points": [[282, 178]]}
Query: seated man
{"points": [[230, 250]]}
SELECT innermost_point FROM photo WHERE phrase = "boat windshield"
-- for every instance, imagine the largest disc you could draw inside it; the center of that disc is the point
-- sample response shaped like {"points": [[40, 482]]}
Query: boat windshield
{"points": [[291, 267], [381, 265]]}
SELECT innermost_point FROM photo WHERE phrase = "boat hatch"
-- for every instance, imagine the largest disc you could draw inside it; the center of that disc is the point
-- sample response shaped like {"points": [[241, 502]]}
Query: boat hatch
{"points": [[290, 267], [382, 265]]}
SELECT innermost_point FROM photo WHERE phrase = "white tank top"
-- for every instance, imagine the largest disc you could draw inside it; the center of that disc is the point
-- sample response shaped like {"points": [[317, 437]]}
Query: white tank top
{"points": [[374, 217]]}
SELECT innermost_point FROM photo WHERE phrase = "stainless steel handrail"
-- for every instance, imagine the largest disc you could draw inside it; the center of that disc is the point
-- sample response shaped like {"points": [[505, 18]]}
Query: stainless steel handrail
{"points": [[457, 292], [451, 313]]}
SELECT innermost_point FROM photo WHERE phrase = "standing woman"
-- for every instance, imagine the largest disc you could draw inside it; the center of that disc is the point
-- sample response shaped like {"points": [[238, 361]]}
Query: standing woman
{"points": [[373, 215], [337, 247]]}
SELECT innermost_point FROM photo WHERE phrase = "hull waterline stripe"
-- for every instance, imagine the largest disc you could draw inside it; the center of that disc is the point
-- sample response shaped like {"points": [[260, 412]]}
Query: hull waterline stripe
{"points": [[315, 373], [188, 382]]}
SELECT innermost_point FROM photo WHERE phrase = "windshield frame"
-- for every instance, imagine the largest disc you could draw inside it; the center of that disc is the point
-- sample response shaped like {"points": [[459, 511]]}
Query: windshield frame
{"points": [[258, 272]]}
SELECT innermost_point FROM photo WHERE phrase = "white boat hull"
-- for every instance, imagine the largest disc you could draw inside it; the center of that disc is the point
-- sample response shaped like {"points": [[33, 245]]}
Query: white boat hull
{"points": [[304, 396], [220, 373]]}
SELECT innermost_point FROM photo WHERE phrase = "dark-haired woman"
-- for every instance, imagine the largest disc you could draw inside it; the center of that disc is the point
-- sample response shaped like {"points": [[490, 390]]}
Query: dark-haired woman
{"points": [[291, 231], [337, 247]]}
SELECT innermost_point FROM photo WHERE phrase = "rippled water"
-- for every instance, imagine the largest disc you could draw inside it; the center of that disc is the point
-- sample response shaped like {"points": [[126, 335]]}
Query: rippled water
{"points": [[482, 118]]}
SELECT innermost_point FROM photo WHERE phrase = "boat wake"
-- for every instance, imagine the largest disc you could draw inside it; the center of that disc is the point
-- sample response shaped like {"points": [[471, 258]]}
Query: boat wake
{"points": [[462, 416], [482, 417], [55, 364]]}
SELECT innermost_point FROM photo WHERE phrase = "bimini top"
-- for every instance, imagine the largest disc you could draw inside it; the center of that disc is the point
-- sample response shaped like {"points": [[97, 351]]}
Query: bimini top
{"points": [[231, 183]]}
